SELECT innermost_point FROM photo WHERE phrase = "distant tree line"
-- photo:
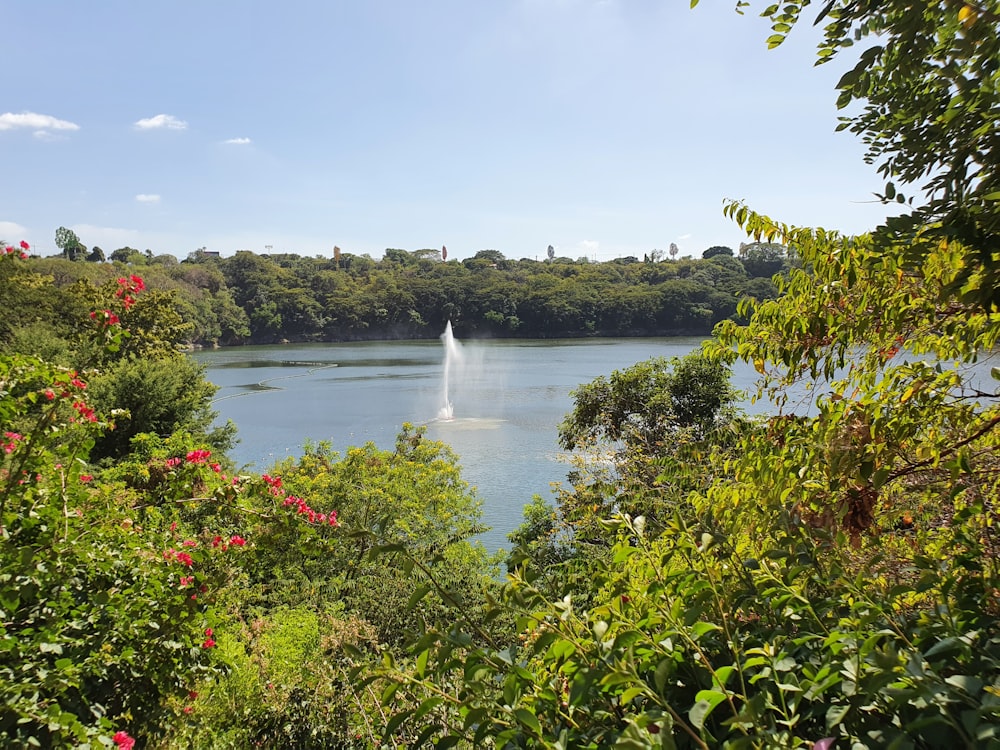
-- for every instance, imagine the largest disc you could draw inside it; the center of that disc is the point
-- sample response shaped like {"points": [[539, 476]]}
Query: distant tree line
{"points": [[252, 298]]}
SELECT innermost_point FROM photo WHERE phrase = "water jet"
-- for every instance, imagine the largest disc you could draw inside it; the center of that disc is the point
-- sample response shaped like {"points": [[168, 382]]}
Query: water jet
{"points": [[452, 358]]}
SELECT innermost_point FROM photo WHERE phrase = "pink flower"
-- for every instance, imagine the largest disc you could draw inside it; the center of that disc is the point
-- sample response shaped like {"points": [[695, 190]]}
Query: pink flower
{"points": [[172, 462], [123, 741], [216, 541], [184, 559], [86, 478], [85, 411], [188, 709], [25, 245], [198, 457], [189, 543], [49, 394], [137, 283], [237, 540]]}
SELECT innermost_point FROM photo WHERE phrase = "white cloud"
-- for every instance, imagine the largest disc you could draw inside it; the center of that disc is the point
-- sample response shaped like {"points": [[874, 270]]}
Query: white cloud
{"points": [[238, 141], [34, 121], [147, 198], [12, 233], [161, 122]]}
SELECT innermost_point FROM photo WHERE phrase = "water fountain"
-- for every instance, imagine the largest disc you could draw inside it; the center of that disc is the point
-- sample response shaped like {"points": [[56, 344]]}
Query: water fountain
{"points": [[452, 358]]}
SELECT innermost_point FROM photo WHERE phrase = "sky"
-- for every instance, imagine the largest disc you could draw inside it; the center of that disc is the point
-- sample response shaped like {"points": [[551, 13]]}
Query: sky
{"points": [[605, 128]]}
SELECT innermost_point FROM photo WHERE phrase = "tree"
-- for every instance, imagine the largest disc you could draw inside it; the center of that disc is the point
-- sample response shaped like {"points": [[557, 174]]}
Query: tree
{"points": [[717, 250], [762, 259], [929, 114], [96, 255], [69, 243], [127, 255]]}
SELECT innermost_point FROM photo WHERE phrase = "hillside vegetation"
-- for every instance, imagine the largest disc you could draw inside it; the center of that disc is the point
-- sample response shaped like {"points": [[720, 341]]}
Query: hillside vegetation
{"points": [[250, 298]]}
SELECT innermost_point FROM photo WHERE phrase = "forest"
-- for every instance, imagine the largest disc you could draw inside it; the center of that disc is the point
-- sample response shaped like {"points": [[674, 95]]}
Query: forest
{"points": [[262, 299], [704, 578]]}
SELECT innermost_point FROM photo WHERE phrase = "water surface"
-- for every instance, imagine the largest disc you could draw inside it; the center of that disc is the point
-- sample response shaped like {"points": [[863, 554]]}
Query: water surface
{"points": [[507, 396]]}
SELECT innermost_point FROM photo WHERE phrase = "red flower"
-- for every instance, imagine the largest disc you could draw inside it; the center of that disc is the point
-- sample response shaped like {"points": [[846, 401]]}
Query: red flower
{"points": [[25, 245], [198, 457], [123, 741], [86, 478], [208, 643], [137, 283], [237, 540]]}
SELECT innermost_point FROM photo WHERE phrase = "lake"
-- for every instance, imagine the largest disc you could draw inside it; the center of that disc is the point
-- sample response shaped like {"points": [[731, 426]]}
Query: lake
{"points": [[507, 396]]}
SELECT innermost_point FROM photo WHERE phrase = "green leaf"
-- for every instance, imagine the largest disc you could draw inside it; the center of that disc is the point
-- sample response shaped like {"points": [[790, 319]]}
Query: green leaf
{"points": [[705, 703], [422, 662], [966, 682], [529, 720], [395, 723], [701, 627]]}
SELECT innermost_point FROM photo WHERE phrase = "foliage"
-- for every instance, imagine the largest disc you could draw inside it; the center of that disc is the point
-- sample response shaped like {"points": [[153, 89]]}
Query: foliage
{"points": [[155, 396], [251, 298], [927, 82], [97, 628]]}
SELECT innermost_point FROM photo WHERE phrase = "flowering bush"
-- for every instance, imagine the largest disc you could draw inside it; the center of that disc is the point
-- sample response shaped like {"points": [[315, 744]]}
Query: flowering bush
{"points": [[108, 589]]}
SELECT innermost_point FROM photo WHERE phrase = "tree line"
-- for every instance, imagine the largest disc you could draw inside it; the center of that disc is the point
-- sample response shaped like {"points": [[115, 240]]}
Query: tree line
{"points": [[251, 298]]}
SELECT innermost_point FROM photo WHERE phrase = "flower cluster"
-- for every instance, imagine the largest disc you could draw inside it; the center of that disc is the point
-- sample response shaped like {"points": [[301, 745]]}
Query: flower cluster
{"points": [[301, 507], [209, 641], [128, 288], [85, 412], [193, 457], [21, 252], [123, 741], [182, 557], [104, 318], [13, 437], [234, 541]]}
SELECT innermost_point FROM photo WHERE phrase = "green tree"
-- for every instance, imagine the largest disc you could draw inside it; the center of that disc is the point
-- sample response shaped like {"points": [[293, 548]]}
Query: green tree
{"points": [[762, 259], [717, 250], [69, 243], [924, 98]]}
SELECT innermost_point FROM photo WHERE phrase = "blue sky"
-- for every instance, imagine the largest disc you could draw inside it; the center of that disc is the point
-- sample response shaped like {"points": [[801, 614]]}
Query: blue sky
{"points": [[605, 128]]}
